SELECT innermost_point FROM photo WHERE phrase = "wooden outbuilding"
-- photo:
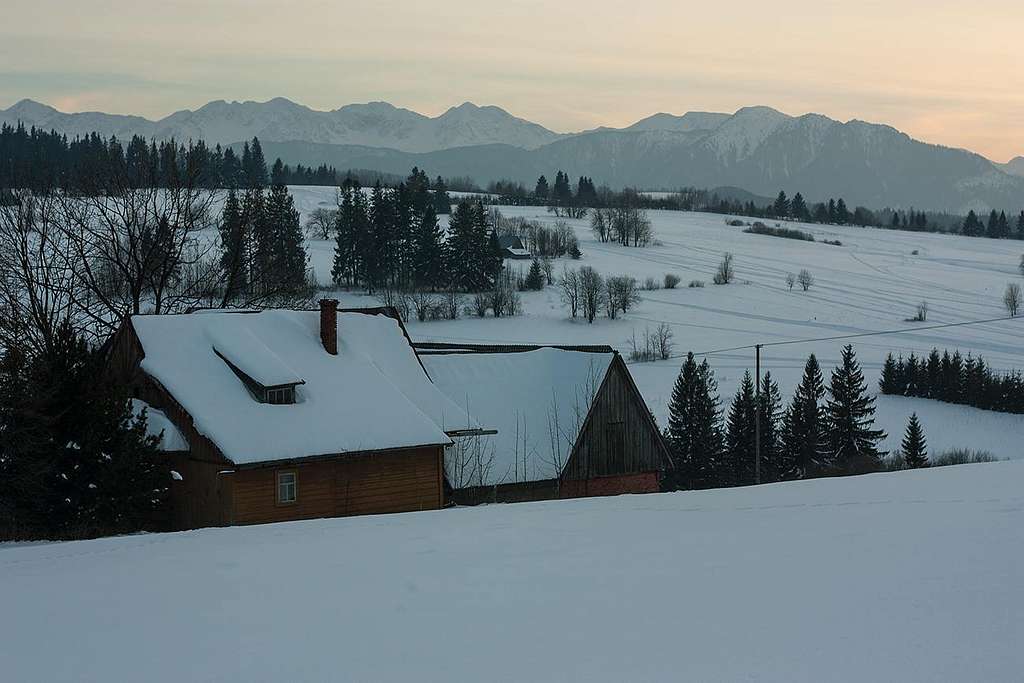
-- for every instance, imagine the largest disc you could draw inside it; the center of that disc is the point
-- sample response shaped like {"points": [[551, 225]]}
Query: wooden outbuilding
{"points": [[282, 415], [570, 422]]}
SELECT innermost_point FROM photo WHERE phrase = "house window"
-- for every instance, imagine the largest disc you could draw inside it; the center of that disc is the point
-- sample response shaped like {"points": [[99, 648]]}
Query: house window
{"points": [[286, 487], [284, 396]]}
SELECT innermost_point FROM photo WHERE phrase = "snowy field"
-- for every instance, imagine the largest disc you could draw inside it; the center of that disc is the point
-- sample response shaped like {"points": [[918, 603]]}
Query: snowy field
{"points": [[873, 282], [908, 576]]}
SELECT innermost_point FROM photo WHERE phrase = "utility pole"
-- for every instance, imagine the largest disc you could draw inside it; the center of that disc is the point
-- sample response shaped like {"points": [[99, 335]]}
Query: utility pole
{"points": [[757, 414]]}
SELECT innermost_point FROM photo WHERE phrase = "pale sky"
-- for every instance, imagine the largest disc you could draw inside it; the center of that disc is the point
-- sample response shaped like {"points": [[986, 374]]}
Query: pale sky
{"points": [[942, 71]]}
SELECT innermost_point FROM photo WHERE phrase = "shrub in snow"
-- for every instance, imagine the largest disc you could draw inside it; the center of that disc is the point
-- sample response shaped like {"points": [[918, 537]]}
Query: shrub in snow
{"points": [[650, 284], [725, 273], [671, 280], [696, 283]]}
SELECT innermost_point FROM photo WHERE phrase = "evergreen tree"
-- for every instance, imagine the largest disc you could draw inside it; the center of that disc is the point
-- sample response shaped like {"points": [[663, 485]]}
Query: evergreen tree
{"points": [[798, 207], [842, 213], [889, 382], [254, 166], [287, 248], [770, 415], [351, 216], [535, 277], [831, 210], [992, 229], [279, 174], [914, 447], [739, 437], [804, 449], [972, 226], [234, 259], [442, 202], [541, 190], [1020, 226], [853, 443], [694, 427], [428, 251], [781, 207]]}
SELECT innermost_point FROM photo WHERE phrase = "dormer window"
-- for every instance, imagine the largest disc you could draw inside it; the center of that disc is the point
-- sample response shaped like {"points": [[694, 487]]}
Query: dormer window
{"points": [[267, 379], [280, 396]]}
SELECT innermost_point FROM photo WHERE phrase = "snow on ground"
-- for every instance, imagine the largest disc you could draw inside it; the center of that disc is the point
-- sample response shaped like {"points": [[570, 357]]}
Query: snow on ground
{"points": [[873, 282], [908, 576]]}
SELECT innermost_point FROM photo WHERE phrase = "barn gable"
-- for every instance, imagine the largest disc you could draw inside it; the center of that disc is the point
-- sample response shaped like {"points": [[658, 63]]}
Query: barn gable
{"points": [[561, 414]]}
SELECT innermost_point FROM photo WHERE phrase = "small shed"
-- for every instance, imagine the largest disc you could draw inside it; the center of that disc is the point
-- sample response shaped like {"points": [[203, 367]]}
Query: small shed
{"points": [[512, 247], [570, 422]]}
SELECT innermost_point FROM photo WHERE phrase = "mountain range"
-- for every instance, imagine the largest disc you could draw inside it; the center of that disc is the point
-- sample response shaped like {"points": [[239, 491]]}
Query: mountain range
{"points": [[756, 148]]}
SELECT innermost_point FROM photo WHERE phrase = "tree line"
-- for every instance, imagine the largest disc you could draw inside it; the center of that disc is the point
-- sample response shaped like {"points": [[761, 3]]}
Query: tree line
{"points": [[392, 240], [36, 160], [822, 431], [953, 378]]}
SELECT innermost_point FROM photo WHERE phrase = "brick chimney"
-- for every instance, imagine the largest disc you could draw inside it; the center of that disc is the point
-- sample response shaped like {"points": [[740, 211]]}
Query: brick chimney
{"points": [[329, 325]]}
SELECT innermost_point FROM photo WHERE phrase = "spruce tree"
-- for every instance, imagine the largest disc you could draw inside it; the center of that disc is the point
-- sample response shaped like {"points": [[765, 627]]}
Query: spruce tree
{"points": [[428, 251], [535, 277], [992, 229], [842, 213], [1020, 226], [853, 443], [287, 245], [442, 202], [694, 427], [233, 249], [889, 382], [780, 209], [803, 451], [972, 227], [739, 436], [351, 215], [541, 190], [770, 415], [798, 207], [914, 447]]}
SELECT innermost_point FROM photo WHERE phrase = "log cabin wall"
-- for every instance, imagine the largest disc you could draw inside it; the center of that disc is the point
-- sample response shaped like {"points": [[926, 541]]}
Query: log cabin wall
{"points": [[373, 483]]}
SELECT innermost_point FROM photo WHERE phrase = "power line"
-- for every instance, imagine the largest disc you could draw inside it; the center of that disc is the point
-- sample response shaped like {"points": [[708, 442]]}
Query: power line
{"points": [[857, 335]]}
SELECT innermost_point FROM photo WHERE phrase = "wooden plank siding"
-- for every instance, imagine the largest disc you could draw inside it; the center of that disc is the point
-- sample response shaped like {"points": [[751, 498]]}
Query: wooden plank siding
{"points": [[214, 491], [390, 481], [619, 435]]}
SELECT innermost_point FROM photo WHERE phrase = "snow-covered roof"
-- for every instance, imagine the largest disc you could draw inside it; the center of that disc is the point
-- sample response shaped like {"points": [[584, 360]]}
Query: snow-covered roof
{"points": [[537, 400], [158, 423], [373, 395], [518, 253]]}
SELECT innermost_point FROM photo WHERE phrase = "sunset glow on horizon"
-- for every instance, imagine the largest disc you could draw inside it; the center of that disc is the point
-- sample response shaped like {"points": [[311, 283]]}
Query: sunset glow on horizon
{"points": [[943, 72]]}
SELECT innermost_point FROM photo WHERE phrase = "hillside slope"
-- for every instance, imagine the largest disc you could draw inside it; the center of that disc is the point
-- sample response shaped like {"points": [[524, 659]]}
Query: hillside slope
{"points": [[911, 576]]}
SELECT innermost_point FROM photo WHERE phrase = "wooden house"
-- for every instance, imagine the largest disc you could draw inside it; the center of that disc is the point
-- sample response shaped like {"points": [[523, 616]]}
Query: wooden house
{"points": [[282, 415], [570, 422], [512, 247]]}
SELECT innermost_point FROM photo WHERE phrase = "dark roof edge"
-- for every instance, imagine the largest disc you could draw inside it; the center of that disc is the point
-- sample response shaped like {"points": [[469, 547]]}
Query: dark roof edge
{"points": [[440, 348]]}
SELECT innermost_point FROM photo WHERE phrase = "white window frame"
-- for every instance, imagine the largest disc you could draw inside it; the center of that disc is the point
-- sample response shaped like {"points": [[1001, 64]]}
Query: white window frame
{"points": [[281, 486]]}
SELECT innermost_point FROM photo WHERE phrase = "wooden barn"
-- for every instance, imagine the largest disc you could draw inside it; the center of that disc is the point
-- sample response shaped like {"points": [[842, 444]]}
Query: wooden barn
{"points": [[281, 415], [570, 422]]}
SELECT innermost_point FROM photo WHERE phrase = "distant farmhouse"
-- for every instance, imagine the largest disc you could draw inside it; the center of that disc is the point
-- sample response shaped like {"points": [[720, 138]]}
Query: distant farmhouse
{"points": [[512, 247], [281, 415], [570, 422]]}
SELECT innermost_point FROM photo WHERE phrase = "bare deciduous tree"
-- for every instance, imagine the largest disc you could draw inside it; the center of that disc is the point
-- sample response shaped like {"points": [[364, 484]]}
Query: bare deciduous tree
{"points": [[725, 273], [805, 279], [592, 292], [790, 280], [320, 223], [571, 291], [622, 294], [1012, 298], [37, 280]]}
